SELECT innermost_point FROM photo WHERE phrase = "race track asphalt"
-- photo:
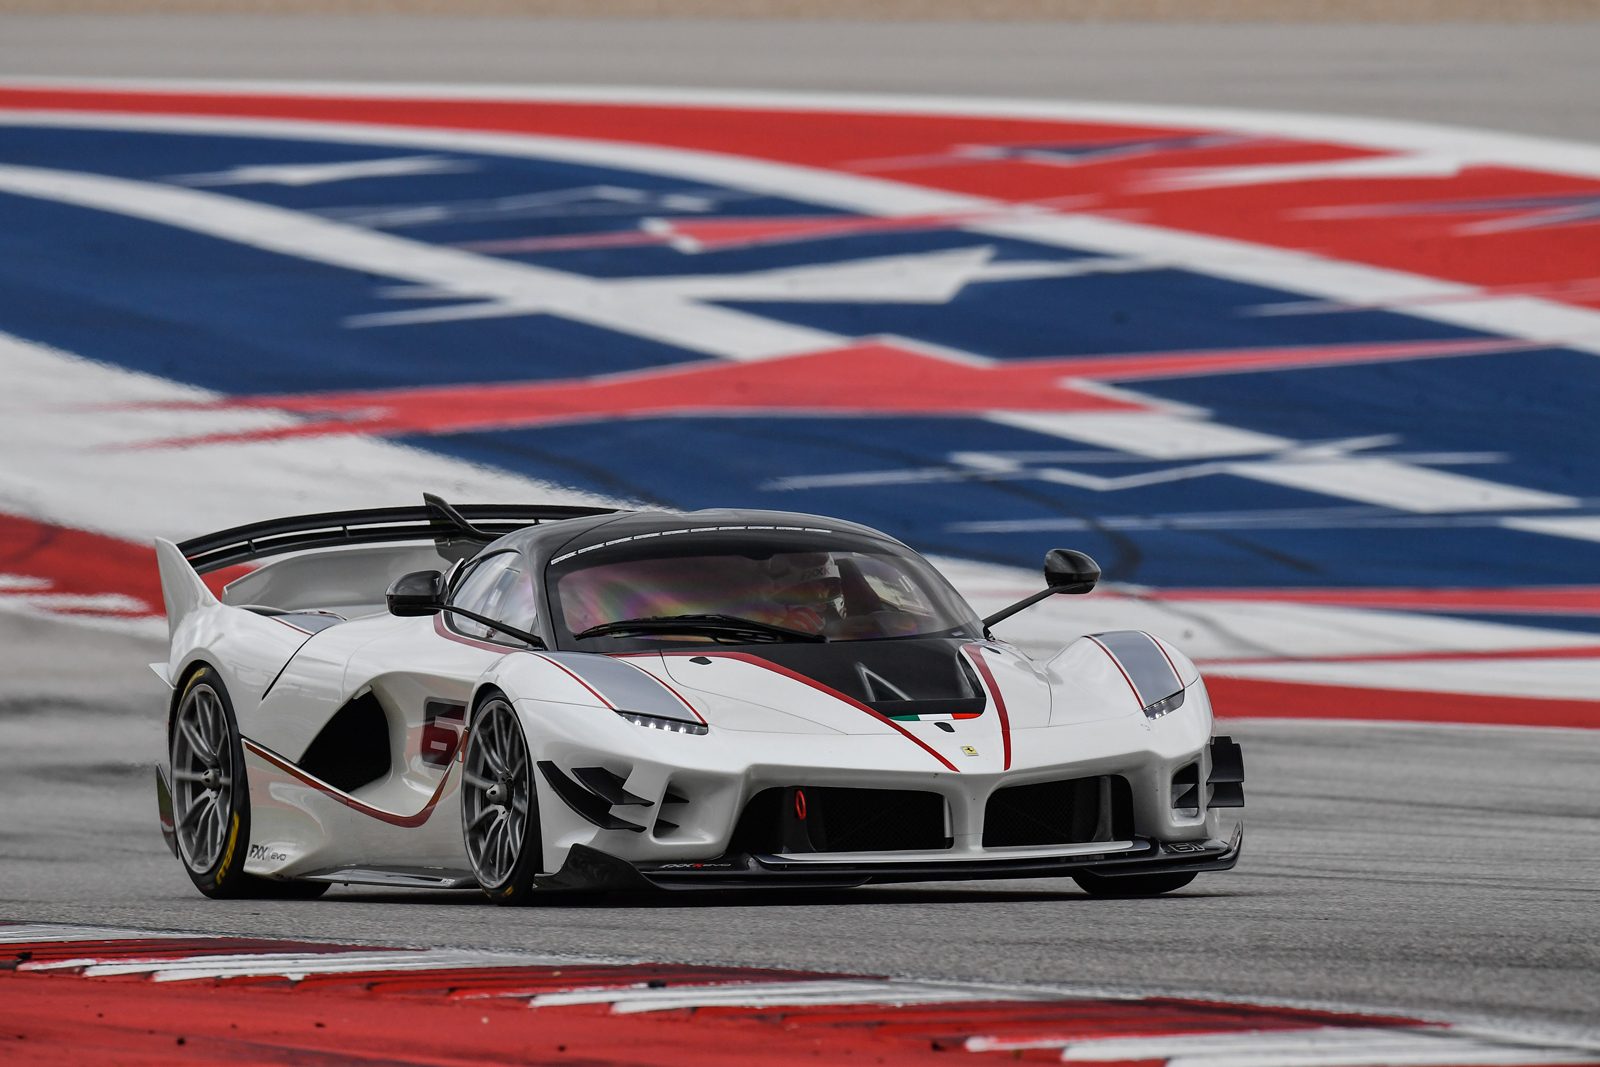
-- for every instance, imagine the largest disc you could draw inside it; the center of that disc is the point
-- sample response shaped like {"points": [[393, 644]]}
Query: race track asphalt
{"points": [[1438, 869], [1432, 869]]}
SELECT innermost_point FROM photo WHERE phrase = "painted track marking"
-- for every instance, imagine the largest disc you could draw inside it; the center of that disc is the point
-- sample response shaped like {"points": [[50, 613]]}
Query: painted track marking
{"points": [[1348, 177], [779, 1016]]}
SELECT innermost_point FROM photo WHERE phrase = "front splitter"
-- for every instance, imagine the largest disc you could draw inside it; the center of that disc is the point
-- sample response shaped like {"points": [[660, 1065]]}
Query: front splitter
{"points": [[589, 868]]}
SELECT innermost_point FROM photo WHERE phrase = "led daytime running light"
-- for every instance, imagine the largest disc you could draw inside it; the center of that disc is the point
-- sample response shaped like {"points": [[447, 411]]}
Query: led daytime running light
{"points": [[671, 726], [1165, 706]]}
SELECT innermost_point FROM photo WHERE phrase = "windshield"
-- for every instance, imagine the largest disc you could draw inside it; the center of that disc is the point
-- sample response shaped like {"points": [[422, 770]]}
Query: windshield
{"points": [[714, 587]]}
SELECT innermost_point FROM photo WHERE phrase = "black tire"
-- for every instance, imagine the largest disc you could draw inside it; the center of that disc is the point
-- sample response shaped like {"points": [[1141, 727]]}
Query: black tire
{"points": [[1131, 885], [500, 804], [212, 818]]}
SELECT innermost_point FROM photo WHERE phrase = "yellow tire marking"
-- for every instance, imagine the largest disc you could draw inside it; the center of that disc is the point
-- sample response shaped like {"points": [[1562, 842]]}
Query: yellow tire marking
{"points": [[233, 841], [193, 678]]}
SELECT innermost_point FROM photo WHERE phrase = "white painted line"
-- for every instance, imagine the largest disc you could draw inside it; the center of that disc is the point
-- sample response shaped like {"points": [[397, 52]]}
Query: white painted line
{"points": [[139, 495], [291, 965], [1156, 436], [1401, 486], [299, 174], [1328, 470], [1316, 1047], [1581, 527], [105, 603], [1397, 166], [638, 999], [34, 933], [495, 286]]}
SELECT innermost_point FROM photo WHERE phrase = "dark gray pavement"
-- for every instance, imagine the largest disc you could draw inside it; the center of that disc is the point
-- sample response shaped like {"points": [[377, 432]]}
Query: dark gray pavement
{"points": [[1432, 869]]}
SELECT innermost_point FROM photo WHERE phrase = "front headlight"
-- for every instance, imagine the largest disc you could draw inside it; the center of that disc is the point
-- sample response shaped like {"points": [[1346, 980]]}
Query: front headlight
{"points": [[656, 722], [1164, 706]]}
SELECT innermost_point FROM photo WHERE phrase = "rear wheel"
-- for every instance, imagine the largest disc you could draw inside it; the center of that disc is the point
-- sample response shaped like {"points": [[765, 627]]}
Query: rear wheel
{"points": [[499, 805], [211, 797], [1131, 885]]}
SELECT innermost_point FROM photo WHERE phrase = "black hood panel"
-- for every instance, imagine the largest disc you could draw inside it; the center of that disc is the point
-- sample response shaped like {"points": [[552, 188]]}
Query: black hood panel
{"points": [[905, 676]]}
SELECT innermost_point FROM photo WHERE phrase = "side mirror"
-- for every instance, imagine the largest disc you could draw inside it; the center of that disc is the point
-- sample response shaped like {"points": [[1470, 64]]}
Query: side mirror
{"points": [[1065, 571], [417, 593], [1069, 571]]}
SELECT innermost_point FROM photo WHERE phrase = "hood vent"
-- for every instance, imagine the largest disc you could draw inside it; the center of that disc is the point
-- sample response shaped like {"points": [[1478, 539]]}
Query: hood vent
{"points": [[894, 677]]}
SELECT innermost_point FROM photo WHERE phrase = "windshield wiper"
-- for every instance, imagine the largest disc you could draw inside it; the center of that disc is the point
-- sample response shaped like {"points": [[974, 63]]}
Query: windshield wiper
{"points": [[715, 625]]}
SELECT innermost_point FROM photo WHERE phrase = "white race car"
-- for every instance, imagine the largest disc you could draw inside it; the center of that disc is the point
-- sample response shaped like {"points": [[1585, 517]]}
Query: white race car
{"points": [[521, 698]]}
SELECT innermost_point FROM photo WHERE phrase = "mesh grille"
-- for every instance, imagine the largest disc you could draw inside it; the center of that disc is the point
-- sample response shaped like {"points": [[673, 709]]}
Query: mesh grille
{"points": [[1074, 811]]}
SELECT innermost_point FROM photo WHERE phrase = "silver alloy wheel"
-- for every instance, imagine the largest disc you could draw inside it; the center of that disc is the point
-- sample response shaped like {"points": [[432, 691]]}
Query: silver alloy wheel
{"points": [[202, 777], [495, 791]]}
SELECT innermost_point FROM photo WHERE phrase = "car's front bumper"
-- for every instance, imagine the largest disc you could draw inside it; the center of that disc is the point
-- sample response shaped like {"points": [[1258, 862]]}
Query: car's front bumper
{"points": [[591, 869]]}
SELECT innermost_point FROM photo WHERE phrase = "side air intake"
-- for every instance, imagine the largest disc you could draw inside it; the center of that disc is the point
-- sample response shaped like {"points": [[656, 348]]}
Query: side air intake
{"points": [[352, 748]]}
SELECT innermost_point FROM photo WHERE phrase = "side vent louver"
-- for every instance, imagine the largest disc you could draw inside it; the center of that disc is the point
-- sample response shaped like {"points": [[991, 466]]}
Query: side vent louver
{"points": [[607, 784], [672, 796], [593, 806]]}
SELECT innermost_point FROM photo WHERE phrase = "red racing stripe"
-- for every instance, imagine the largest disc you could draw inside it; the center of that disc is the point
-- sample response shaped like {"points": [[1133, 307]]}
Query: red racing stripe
{"points": [[976, 652], [351, 802]]}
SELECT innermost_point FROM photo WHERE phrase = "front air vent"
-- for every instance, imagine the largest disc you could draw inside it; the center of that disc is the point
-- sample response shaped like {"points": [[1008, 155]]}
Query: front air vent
{"points": [[672, 812], [1186, 790], [1068, 812], [834, 819]]}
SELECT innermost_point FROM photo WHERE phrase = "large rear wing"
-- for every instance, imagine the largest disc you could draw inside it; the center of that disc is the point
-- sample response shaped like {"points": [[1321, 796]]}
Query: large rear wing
{"points": [[434, 520]]}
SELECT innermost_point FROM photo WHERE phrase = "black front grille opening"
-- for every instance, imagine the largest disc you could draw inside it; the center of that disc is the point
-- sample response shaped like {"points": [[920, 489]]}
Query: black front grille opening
{"points": [[1069, 812], [1186, 790], [834, 819]]}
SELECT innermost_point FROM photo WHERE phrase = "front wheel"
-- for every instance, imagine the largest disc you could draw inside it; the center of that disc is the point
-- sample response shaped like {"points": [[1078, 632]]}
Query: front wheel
{"points": [[211, 797], [499, 805], [1131, 885]]}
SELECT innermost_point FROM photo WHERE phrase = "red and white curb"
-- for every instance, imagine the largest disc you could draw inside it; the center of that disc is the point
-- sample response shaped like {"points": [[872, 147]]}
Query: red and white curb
{"points": [[68, 993]]}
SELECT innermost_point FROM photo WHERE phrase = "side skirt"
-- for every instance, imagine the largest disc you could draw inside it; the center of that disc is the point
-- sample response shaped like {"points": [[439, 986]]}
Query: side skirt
{"points": [[395, 877]]}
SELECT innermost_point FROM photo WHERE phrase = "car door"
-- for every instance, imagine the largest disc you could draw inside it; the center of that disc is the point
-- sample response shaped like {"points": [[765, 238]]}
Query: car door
{"points": [[424, 676]]}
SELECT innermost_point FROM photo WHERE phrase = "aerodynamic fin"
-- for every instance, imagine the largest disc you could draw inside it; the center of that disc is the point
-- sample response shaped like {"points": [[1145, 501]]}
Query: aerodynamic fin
{"points": [[181, 587]]}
